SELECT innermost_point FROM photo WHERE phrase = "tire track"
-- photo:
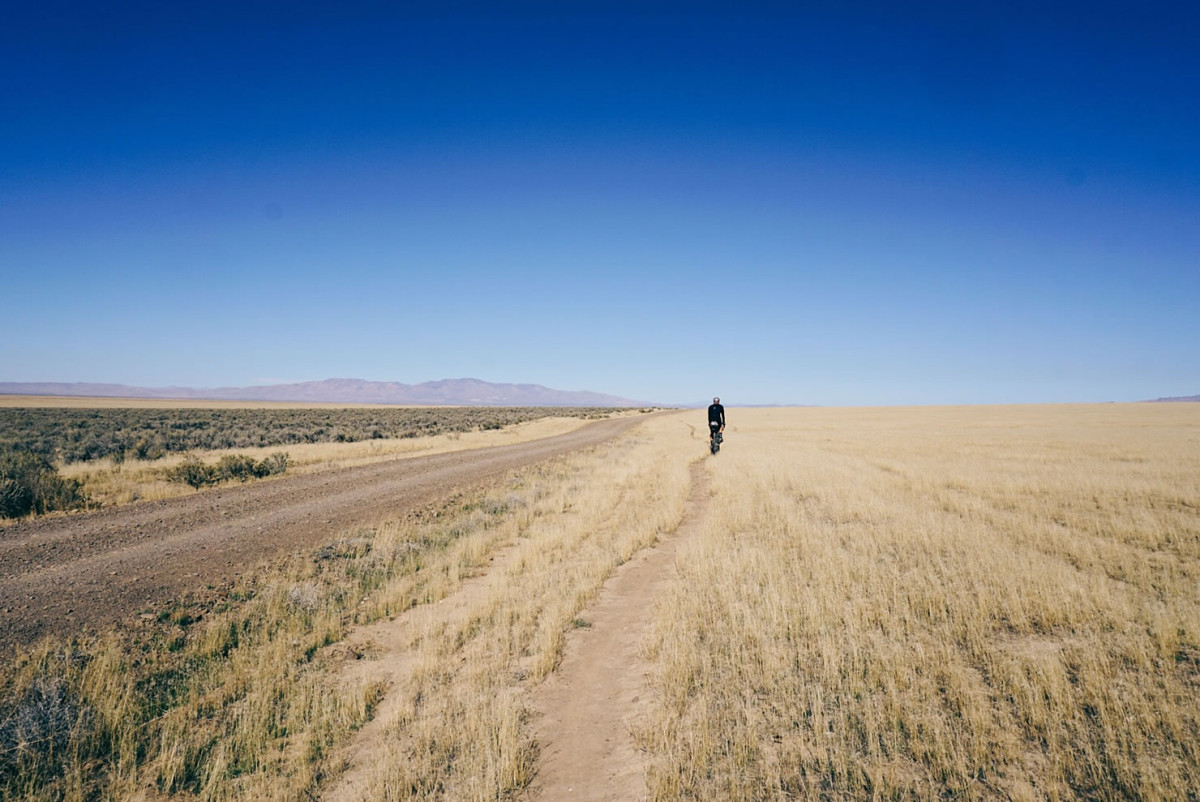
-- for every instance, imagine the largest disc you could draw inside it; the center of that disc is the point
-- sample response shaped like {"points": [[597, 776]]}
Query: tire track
{"points": [[390, 644]]}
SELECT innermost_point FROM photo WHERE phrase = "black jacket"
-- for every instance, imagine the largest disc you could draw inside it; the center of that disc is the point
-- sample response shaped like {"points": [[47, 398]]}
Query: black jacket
{"points": [[716, 412]]}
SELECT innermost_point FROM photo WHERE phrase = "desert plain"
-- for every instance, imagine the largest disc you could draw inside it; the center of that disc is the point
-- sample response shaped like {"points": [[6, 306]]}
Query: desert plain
{"points": [[902, 603]]}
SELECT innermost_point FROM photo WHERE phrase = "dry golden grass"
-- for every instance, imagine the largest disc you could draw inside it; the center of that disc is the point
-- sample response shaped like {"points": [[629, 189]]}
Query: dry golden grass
{"points": [[980, 603], [975, 602], [235, 696], [462, 731]]}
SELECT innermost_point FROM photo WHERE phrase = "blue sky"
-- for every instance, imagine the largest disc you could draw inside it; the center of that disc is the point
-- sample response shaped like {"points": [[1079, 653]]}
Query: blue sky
{"points": [[812, 203]]}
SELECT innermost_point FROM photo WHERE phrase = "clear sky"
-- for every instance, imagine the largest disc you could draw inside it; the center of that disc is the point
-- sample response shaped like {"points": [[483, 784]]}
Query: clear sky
{"points": [[809, 203]]}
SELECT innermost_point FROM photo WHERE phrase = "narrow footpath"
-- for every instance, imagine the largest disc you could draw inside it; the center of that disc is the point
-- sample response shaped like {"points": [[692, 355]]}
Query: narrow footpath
{"points": [[587, 709]]}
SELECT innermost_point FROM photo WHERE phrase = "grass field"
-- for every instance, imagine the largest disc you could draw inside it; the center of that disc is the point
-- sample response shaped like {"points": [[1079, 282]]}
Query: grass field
{"points": [[973, 602], [977, 603]]}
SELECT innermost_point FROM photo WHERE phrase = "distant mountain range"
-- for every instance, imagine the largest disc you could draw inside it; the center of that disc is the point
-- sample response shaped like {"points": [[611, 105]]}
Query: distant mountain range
{"points": [[455, 392], [1180, 398]]}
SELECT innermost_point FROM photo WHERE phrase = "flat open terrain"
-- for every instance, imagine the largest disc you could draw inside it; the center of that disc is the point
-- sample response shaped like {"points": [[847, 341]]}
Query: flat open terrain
{"points": [[975, 603]]}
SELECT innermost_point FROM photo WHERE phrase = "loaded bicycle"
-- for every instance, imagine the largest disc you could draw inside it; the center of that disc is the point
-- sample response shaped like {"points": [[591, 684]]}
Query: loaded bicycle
{"points": [[716, 425]]}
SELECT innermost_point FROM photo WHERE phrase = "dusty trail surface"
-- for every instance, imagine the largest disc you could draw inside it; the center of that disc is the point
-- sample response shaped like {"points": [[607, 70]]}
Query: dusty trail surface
{"points": [[390, 642], [588, 707], [61, 575]]}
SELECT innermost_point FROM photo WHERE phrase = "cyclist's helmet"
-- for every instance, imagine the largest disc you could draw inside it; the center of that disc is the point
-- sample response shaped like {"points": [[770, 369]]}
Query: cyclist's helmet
{"points": [[716, 400]]}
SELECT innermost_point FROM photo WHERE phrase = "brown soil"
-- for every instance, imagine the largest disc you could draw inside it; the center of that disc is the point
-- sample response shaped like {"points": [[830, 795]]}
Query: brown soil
{"points": [[66, 574]]}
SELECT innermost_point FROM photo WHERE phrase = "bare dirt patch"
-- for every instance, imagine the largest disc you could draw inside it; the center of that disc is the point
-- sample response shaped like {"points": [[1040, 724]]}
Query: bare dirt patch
{"points": [[381, 654], [88, 571]]}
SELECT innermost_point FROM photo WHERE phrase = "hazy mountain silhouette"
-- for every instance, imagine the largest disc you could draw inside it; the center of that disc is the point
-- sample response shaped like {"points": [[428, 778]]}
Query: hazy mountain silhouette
{"points": [[465, 392], [1180, 398]]}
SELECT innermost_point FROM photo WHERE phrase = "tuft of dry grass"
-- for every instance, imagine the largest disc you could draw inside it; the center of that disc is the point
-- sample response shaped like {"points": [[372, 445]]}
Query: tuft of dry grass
{"points": [[986, 603]]}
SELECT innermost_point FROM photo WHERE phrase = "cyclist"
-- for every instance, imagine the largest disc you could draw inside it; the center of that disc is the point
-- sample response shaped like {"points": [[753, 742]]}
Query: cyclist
{"points": [[716, 420]]}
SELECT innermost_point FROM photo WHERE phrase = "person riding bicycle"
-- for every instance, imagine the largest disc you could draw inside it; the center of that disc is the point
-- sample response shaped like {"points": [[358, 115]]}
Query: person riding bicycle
{"points": [[716, 419]]}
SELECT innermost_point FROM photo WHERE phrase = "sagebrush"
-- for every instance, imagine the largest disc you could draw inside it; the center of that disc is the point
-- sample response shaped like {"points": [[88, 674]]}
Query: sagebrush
{"points": [[77, 435]]}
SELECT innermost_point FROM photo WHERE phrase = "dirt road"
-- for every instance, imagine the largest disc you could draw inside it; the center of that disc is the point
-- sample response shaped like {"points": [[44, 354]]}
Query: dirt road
{"points": [[61, 575]]}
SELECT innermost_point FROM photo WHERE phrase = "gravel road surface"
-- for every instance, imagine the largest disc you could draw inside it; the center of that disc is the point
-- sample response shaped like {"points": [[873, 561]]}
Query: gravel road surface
{"points": [[90, 570]]}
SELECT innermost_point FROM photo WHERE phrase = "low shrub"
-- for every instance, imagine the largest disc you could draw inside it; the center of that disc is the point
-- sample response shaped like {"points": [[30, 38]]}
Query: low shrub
{"points": [[235, 466], [146, 449], [37, 729], [192, 472], [16, 498], [29, 483], [272, 464], [231, 466]]}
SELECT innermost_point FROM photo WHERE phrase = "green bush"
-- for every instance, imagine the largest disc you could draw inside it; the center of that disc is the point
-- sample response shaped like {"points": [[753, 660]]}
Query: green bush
{"points": [[273, 464], [146, 449], [72, 435], [16, 498], [29, 483], [192, 472], [56, 493], [231, 466], [235, 466]]}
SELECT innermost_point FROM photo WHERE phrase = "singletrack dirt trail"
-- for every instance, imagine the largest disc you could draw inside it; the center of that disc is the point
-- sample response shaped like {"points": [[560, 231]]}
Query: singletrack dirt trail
{"points": [[65, 574], [588, 706]]}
